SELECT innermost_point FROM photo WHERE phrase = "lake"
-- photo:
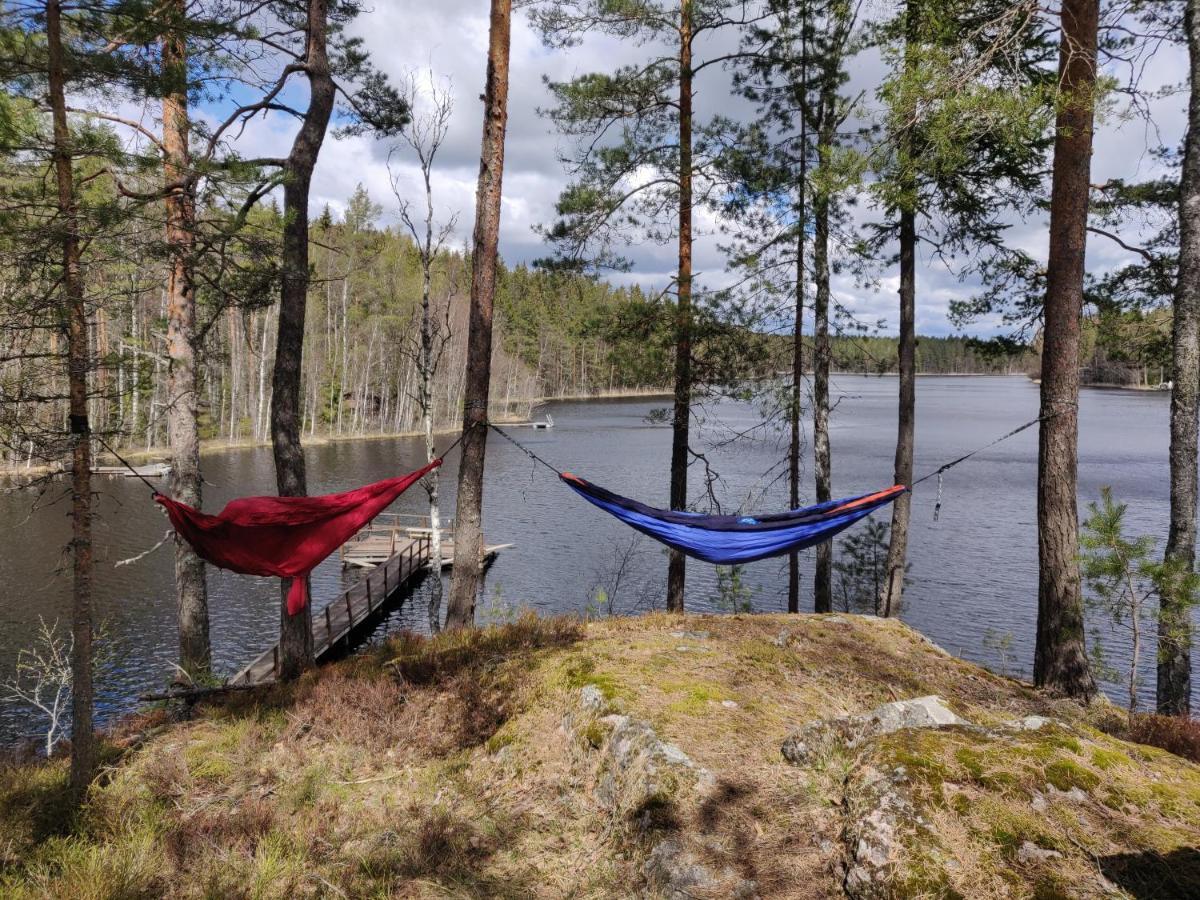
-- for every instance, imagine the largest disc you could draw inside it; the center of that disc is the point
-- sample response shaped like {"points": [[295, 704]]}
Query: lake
{"points": [[973, 578]]}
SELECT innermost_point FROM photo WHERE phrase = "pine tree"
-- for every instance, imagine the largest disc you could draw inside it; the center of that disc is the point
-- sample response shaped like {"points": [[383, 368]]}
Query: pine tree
{"points": [[637, 119], [468, 536]]}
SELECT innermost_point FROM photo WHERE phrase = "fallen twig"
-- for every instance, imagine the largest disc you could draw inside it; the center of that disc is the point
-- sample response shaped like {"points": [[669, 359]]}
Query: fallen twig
{"points": [[196, 692], [144, 553]]}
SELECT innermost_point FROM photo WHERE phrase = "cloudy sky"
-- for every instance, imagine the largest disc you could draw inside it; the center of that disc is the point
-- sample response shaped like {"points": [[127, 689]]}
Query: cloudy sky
{"points": [[449, 37]]}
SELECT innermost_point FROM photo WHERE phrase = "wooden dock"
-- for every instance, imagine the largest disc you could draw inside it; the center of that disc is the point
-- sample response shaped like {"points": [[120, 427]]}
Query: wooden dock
{"points": [[389, 533], [335, 626], [394, 549]]}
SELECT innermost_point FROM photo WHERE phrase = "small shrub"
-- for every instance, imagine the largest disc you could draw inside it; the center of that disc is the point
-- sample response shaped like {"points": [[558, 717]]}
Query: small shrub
{"points": [[1175, 734], [421, 660]]}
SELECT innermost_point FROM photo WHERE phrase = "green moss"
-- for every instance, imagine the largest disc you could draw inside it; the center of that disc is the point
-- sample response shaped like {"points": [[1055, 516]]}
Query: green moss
{"points": [[1054, 739], [696, 699], [580, 671], [1065, 774], [499, 741], [1107, 759], [918, 754], [594, 735], [1007, 824]]}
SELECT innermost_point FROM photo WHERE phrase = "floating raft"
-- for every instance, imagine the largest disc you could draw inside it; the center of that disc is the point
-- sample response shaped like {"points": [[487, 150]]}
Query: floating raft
{"points": [[151, 470]]}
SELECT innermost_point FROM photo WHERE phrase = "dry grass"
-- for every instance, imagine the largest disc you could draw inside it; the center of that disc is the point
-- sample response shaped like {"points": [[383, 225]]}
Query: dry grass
{"points": [[440, 768]]}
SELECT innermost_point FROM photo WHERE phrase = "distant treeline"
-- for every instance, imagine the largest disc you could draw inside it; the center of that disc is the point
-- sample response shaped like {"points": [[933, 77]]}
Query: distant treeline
{"points": [[558, 334], [935, 356]]}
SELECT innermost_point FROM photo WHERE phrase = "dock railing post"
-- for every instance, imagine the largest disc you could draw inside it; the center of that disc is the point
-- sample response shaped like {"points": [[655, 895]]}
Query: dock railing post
{"points": [[349, 612], [369, 588], [274, 661], [328, 627]]}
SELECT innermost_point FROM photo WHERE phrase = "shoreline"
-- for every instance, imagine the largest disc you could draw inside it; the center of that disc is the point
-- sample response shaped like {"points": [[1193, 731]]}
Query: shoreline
{"points": [[213, 446], [1107, 386]]}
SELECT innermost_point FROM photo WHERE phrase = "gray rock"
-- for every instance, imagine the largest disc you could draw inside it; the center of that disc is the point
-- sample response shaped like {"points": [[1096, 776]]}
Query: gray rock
{"points": [[816, 739], [1075, 794], [638, 768], [676, 872], [1031, 723], [872, 835], [1032, 853], [921, 712], [591, 698]]}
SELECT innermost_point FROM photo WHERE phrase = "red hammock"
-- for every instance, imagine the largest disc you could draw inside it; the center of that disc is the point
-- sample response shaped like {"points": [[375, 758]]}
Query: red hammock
{"points": [[284, 536]]}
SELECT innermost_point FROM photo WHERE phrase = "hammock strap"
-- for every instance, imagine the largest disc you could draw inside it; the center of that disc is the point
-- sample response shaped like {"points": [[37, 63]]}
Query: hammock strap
{"points": [[523, 449], [153, 490], [954, 462]]}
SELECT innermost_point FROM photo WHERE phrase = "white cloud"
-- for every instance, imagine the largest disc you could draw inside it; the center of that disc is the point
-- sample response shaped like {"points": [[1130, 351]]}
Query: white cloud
{"points": [[451, 38]]}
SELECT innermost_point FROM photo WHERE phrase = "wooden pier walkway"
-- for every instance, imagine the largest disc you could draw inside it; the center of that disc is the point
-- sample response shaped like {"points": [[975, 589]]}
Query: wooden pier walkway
{"points": [[335, 625], [388, 534], [394, 549]]}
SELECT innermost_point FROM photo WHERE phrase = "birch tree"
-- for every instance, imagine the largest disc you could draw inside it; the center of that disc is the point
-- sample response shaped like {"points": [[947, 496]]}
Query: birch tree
{"points": [[432, 108]]}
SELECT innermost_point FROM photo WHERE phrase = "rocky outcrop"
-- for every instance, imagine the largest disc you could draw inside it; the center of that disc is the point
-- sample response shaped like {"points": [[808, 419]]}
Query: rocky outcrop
{"points": [[818, 739], [639, 778], [879, 805]]}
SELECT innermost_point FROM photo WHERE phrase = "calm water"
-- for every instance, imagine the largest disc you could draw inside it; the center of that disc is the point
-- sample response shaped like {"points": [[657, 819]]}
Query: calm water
{"points": [[973, 570]]}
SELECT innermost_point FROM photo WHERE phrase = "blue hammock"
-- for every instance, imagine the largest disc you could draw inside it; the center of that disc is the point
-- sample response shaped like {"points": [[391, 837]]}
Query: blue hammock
{"points": [[726, 540]]}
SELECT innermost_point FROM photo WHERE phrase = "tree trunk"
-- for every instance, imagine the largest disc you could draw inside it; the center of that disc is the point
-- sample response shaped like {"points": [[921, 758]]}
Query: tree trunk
{"points": [[822, 464], [681, 419], [427, 373], [893, 587], [891, 595], [83, 741], [1060, 657], [794, 412], [295, 632], [1174, 625], [191, 595], [468, 541]]}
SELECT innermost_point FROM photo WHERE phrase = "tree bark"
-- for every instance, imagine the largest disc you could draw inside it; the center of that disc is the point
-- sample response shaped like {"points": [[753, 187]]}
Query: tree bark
{"points": [[427, 366], [794, 413], [1174, 624], [295, 632], [468, 539], [83, 741], [1060, 656], [891, 595], [195, 654], [681, 418], [822, 461], [893, 585]]}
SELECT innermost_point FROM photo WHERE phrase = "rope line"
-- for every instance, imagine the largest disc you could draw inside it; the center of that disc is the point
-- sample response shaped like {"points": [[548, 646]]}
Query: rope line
{"points": [[523, 449], [153, 490], [950, 465], [938, 472], [458, 440], [156, 492]]}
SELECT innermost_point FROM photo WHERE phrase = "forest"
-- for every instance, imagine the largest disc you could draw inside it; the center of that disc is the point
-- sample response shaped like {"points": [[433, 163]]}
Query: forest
{"points": [[167, 280]]}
